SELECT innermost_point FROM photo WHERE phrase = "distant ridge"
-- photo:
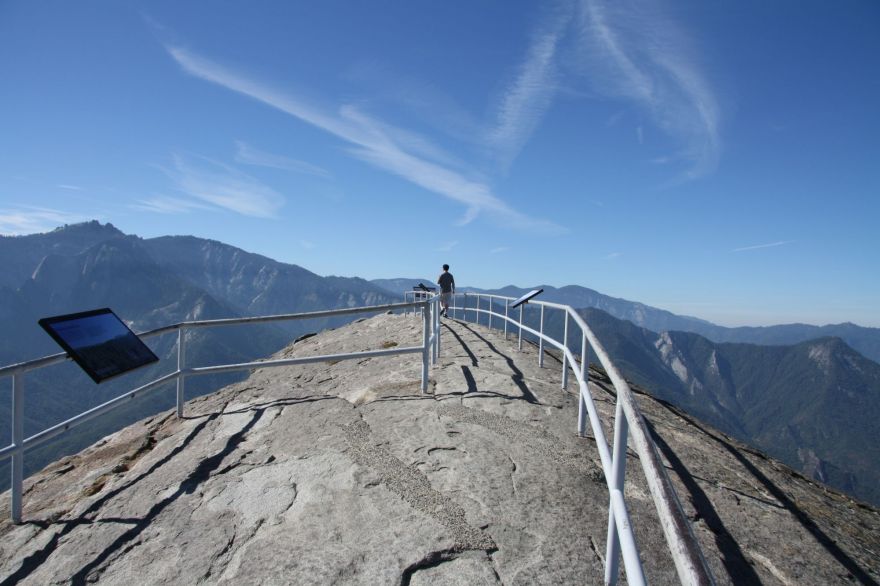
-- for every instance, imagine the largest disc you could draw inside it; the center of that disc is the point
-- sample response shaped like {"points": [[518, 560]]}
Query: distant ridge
{"points": [[255, 284], [21, 254], [398, 286], [863, 339]]}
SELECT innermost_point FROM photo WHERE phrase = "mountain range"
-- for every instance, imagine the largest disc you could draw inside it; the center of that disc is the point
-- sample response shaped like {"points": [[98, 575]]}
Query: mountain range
{"points": [[865, 340]]}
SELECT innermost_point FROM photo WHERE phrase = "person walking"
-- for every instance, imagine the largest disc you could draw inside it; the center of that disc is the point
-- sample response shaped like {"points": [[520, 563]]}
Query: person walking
{"points": [[447, 289]]}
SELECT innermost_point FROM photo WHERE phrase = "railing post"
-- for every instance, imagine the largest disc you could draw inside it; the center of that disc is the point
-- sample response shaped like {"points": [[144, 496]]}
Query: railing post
{"points": [[454, 306], [18, 442], [436, 330], [426, 334], [181, 365], [506, 313], [618, 471], [585, 374], [541, 341], [564, 354], [432, 329], [520, 325], [490, 312]]}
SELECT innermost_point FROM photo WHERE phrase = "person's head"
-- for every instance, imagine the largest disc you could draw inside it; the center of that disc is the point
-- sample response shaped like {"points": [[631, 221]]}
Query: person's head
{"points": [[445, 267]]}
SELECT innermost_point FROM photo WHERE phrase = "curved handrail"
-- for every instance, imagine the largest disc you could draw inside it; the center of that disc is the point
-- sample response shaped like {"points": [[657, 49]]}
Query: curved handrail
{"points": [[209, 323], [687, 555]]}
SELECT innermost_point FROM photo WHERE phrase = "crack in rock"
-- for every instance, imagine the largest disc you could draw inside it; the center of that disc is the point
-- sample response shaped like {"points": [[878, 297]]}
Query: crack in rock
{"points": [[432, 560]]}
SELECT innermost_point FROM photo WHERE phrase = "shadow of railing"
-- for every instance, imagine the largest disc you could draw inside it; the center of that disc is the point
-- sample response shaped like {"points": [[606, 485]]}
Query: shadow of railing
{"points": [[705, 509]]}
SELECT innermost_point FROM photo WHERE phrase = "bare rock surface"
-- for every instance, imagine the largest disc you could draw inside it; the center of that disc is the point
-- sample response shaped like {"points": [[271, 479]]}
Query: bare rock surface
{"points": [[345, 473]]}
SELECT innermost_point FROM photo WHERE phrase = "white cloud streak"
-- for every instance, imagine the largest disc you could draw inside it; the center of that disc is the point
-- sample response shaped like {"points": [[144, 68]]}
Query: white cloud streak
{"points": [[768, 245], [30, 220], [447, 247], [640, 55], [163, 204], [69, 187], [529, 96], [373, 143], [499, 250], [219, 186], [249, 155]]}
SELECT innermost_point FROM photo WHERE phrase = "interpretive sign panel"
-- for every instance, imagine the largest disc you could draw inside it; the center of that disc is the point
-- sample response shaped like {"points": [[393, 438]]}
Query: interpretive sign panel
{"points": [[99, 342], [525, 298]]}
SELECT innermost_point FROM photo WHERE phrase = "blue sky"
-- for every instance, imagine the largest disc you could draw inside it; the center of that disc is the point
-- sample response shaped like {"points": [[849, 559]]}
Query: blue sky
{"points": [[716, 159]]}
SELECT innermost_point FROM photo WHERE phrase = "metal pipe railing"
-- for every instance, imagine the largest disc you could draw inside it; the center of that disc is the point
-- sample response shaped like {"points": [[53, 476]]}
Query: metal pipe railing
{"points": [[16, 450], [690, 564]]}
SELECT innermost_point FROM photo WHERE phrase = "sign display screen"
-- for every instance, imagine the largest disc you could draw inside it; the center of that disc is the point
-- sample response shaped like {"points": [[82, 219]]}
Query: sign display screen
{"points": [[99, 342], [525, 298]]}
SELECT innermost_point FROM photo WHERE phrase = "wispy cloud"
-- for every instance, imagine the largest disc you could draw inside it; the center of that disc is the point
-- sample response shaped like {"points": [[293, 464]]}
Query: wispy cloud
{"points": [[768, 245], [612, 256], [308, 245], [249, 155], [614, 119], [447, 247], [212, 184], [163, 204], [371, 142], [641, 55], [69, 187], [528, 97], [30, 220], [499, 250]]}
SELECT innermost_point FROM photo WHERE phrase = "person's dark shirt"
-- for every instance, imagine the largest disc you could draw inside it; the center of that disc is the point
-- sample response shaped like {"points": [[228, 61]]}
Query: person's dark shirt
{"points": [[446, 282]]}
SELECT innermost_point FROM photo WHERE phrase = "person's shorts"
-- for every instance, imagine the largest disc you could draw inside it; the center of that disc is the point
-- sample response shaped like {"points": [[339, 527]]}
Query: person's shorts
{"points": [[445, 297]]}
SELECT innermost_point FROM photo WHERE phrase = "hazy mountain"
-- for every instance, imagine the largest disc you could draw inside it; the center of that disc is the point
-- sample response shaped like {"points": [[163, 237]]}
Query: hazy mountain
{"points": [[398, 286], [579, 297], [20, 255], [255, 284], [865, 340], [814, 405]]}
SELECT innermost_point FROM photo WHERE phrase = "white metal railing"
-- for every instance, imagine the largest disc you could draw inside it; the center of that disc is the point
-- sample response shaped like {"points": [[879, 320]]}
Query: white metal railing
{"points": [[429, 349], [689, 562]]}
